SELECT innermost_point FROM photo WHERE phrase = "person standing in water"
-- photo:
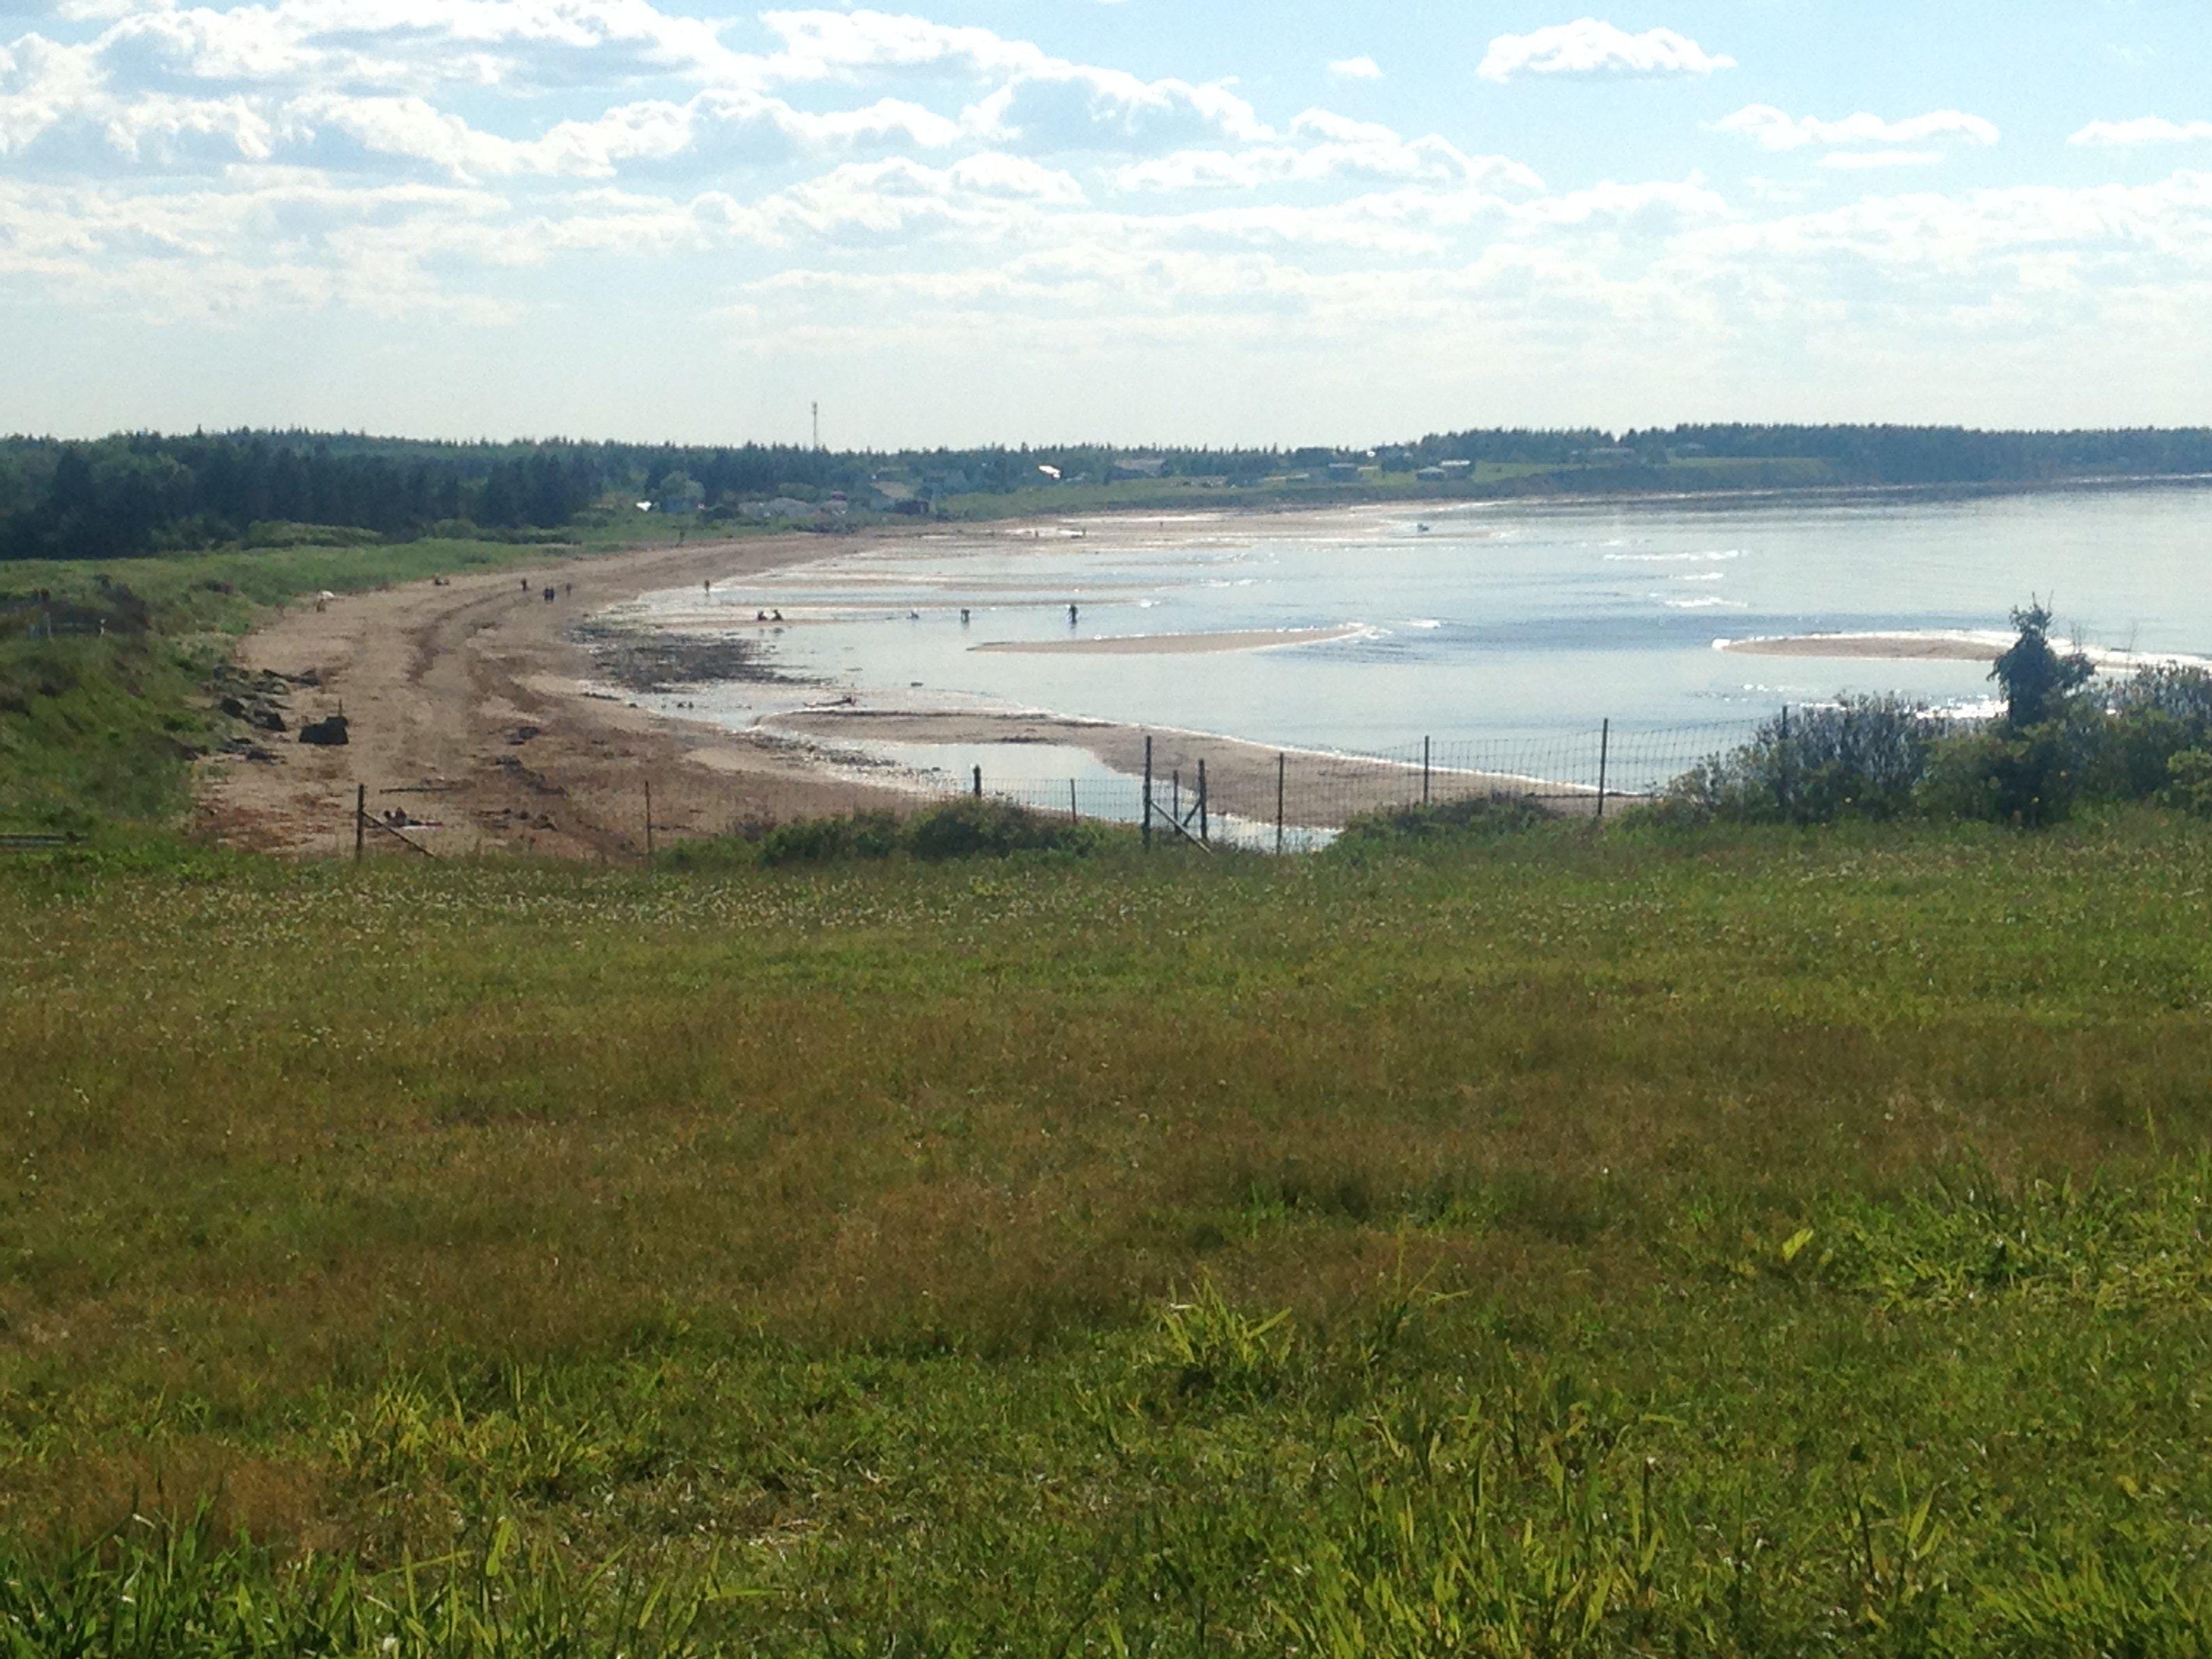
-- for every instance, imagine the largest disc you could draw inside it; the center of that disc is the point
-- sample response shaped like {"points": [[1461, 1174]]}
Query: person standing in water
{"points": [[1071, 615]]}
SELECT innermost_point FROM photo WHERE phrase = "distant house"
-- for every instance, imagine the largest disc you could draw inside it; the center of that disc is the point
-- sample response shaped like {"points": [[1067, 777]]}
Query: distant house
{"points": [[1432, 475], [1140, 466], [1456, 469], [1344, 472]]}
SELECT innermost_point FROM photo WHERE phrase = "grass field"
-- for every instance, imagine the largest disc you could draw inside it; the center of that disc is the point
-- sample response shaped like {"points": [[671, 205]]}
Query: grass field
{"points": [[1733, 1242]]}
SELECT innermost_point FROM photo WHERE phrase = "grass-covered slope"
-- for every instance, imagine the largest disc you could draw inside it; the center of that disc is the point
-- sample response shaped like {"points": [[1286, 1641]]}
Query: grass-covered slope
{"points": [[1750, 1243], [100, 718]]}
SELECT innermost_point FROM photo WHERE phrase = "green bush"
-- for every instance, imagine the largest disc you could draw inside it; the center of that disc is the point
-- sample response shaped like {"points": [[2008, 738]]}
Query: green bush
{"points": [[1476, 817], [1857, 757], [975, 827], [2189, 788], [824, 840]]}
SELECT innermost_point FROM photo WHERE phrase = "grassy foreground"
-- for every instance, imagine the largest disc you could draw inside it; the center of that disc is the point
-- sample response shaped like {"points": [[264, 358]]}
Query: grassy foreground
{"points": [[1751, 1242]]}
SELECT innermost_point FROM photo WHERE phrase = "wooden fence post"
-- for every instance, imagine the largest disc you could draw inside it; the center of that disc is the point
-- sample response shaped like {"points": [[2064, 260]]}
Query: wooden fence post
{"points": [[648, 820], [1425, 771], [979, 783], [1282, 764], [1205, 831], [360, 821]]}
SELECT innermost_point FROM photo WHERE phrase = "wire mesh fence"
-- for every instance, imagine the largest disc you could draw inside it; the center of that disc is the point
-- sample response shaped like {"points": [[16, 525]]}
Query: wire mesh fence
{"points": [[1227, 793], [1174, 788]]}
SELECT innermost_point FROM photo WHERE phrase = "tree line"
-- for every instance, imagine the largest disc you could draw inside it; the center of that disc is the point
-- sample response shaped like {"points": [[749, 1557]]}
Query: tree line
{"points": [[141, 492]]}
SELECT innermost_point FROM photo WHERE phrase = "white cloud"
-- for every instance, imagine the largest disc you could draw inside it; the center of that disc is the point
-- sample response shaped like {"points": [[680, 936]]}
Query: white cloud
{"points": [[1591, 47], [1356, 69], [1860, 160], [1321, 145], [1773, 129], [2148, 129], [1065, 106]]}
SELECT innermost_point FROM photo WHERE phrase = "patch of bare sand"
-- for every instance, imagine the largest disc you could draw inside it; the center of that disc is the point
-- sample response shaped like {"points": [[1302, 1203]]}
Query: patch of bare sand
{"points": [[1174, 645], [1872, 647]]}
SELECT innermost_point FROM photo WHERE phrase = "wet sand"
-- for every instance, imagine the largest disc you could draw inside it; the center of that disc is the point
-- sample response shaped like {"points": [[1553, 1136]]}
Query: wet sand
{"points": [[1174, 645]]}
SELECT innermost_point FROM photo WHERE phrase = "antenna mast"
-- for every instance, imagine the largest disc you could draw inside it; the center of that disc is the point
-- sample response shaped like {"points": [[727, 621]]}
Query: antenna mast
{"points": [[817, 425]]}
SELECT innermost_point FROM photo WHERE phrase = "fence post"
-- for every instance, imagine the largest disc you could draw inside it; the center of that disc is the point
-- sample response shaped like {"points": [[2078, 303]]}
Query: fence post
{"points": [[1604, 753], [360, 820], [1204, 832], [979, 783], [1073, 816], [1281, 762], [1148, 794], [1425, 771], [1175, 795], [1782, 779], [648, 820]]}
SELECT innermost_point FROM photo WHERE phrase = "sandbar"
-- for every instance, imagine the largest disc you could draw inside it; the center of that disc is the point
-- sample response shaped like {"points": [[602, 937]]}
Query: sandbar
{"points": [[1872, 647], [1175, 645]]}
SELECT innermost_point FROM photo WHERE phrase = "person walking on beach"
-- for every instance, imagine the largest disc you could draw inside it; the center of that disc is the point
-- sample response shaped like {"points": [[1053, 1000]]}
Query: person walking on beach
{"points": [[1071, 615]]}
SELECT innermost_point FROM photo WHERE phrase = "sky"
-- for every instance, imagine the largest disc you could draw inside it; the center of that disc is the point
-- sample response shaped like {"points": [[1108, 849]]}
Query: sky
{"points": [[1200, 221]]}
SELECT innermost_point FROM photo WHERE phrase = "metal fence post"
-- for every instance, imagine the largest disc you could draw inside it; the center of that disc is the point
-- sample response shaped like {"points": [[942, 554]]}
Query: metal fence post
{"points": [[360, 820], [648, 819], [1281, 763], [1205, 833], [1425, 771], [1148, 794], [1604, 753], [1073, 816], [1782, 779]]}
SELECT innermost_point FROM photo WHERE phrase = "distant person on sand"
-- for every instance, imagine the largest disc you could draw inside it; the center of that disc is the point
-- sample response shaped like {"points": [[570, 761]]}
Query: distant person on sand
{"points": [[1071, 615], [964, 616], [776, 615], [760, 616]]}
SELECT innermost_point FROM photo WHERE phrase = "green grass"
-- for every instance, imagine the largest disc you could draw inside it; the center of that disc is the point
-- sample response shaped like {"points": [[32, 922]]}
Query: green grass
{"points": [[1740, 1242], [96, 733]]}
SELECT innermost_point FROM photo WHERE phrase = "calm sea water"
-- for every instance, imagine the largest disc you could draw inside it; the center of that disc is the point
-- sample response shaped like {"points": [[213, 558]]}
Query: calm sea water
{"points": [[1497, 622]]}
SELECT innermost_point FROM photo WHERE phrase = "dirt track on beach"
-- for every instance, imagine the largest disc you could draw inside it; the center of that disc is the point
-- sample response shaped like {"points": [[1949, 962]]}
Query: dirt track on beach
{"points": [[468, 716]]}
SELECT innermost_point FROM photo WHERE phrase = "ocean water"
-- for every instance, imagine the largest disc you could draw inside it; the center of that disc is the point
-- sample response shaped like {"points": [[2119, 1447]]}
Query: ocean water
{"points": [[1497, 622]]}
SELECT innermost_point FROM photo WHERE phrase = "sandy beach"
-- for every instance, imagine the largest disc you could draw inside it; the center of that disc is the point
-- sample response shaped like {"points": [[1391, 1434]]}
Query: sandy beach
{"points": [[1174, 645], [475, 721]]}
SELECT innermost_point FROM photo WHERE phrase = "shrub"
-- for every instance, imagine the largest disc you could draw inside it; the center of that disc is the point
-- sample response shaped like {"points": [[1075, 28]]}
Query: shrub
{"points": [[819, 841], [1475, 818], [1857, 757], [2030, 776], [2190, 784], [978, 827]]}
